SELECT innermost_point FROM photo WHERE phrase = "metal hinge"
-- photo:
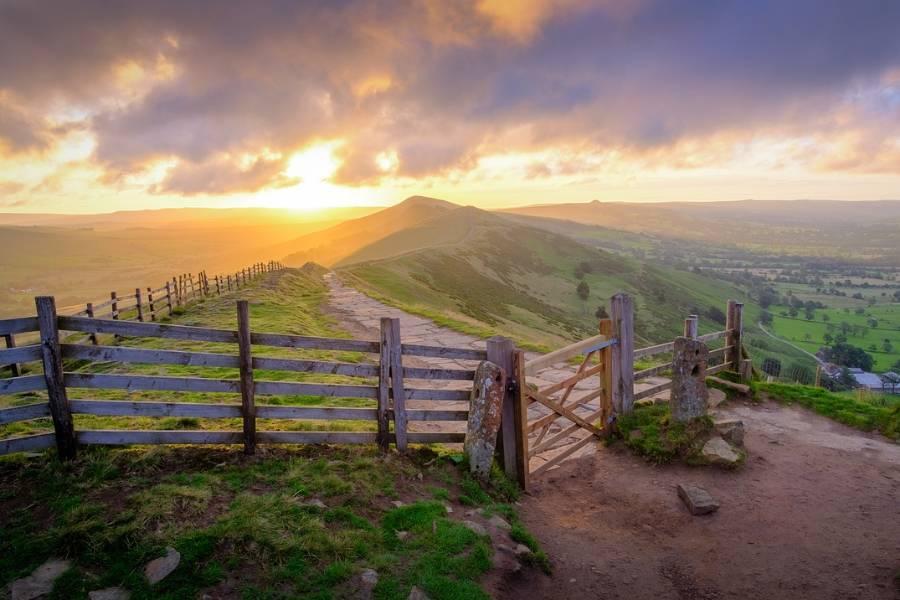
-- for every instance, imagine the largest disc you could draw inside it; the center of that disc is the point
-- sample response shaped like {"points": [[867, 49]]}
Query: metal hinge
{"points": [[512, 386]]}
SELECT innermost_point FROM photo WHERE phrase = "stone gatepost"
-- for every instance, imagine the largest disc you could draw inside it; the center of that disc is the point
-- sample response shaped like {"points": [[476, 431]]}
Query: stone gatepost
{"points": [[485, 412], [689, 394]]}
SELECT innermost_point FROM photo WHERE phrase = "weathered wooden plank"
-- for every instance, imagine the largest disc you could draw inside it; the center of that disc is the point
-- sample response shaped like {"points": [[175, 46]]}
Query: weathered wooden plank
{"points": [[439, 374], [591, 344], [415, 414], [443, 352], [398, 394], [10, 340], [571, 381], [606, 418], [547, 419], [621, 311], [24, 413], [565, 433], [652, 371], [315, 366], [20, 354], [119, 437], [439, 395], [566, 412], [317, 437], [315, 413], [149, 356], [248, 388], [384, 387], [27, 443], [313, 343], [652, 391], [435, 437], [54, 378], [160, 330], [717, 369], [123, 408], [150, 382], [719, 351], [520, 414], [711, 337], [24, 383], [290, 388], [653, 350], [562, 456], [19, 325]]}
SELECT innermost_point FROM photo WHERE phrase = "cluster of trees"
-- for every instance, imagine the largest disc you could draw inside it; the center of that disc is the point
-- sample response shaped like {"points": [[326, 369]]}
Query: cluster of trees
{"points": [[848, 355]]}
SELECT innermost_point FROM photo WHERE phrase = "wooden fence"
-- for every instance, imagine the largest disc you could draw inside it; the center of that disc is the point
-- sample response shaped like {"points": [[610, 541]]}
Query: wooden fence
{"points": [[152, 304], [390, 393]]}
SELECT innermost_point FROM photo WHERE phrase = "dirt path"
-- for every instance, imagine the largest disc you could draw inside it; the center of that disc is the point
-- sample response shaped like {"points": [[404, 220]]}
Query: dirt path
{"points": [[814, 514]]}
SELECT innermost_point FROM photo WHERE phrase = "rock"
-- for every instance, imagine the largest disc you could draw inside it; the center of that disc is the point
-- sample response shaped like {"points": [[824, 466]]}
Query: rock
{"points": [[40, 582], [499, 522], [113, 593], [732, 431], [369, 578], [402, 535], [522, 550], [698, 500], [160, 568], [715, 397], [364, 584], [397, 503], [315, 502], [475, 527], [485, 410], [417, 594], [449, 509], [718, 452], [689, 396]]}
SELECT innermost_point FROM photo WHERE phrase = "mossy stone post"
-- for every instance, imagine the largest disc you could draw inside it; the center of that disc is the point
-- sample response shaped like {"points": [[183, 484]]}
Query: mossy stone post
{"points": [[485, 417], [689, 396]]}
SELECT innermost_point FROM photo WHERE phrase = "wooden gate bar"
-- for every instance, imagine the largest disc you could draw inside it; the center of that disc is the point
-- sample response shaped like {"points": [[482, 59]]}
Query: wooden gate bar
{"points": [[53, 376], [500, 352]]}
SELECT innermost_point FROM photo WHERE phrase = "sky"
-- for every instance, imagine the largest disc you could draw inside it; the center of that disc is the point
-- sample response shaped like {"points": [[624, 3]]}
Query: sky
{"points": [[134, 104]]}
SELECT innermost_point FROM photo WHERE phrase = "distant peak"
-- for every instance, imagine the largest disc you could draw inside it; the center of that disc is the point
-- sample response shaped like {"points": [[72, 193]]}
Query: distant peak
{"points": [[426, 201]]}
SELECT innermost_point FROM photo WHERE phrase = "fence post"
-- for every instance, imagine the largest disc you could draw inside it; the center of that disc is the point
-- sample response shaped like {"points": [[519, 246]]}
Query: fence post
{"points": [[140, 308], [384, 385], [218, 287], [691, 327], [398, 391], [11, 343], [150, 304], [169, 296], [114, 305], [520, 403], [248, 400], [622, 384], [734, 325], [89, 309], [500, 352], [53, 376]]}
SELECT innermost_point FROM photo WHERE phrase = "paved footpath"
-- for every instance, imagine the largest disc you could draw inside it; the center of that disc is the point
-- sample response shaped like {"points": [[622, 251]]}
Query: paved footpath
{"points": [[361, 316]]}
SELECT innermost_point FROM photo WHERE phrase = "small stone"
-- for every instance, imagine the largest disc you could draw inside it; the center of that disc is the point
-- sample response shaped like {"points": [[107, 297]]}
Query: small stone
{"points": [[112, 593], [369, 578], [402, 535], [160, 568], [449, 509], [716, 397], [698, 500], [572, 580], [315, 502], [397, 503], [419, 476], [522, 550], [475, 527], [417, 594], [732, 431], [499, 522], [718, 452], [40, 582]]}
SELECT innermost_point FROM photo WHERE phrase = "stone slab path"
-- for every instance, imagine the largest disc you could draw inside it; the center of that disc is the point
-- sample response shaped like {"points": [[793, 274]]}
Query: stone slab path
{"points": [[361, 316]]}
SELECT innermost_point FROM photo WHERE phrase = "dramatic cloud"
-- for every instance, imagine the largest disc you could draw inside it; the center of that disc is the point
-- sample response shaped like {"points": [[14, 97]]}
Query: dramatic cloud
{"points": [[224, 93]]}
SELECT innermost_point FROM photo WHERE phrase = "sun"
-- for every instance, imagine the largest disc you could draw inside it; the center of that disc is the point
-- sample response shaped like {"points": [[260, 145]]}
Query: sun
{"points": [[314, 164]]}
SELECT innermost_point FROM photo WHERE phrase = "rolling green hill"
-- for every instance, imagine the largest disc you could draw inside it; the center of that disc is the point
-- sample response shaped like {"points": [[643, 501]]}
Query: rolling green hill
{"points": [[485, 273]]}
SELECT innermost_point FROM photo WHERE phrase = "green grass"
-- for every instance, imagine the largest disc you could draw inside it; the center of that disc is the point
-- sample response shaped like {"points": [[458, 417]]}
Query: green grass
{"points": [[809, 334], [880, 414], [244, 524], [661, 439]]}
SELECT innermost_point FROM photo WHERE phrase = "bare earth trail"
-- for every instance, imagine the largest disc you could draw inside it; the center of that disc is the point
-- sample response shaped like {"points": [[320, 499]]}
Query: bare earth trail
{"points": [[814, 514]]}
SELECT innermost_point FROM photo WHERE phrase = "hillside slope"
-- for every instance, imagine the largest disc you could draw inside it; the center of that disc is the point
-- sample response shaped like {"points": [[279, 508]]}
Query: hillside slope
{"points": [[334, 244]]}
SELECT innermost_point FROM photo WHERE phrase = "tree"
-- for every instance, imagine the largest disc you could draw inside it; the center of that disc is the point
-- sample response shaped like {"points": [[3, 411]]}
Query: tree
{"points": [[765, 317], [715, 313], [887, 346], [846, 355], [583, 290], [601, 313]]}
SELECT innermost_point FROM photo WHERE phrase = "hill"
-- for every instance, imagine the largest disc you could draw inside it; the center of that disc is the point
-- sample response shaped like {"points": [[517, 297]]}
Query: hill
{"points": [[486, 273], [334, 244]]}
